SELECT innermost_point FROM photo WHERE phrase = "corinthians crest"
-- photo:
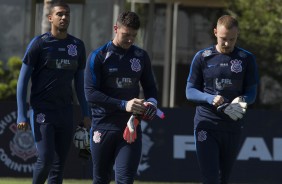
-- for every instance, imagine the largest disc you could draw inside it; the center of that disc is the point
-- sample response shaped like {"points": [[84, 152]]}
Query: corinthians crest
{"points": [[135, 64], [236, 66], [72, 51], [22, 144]]}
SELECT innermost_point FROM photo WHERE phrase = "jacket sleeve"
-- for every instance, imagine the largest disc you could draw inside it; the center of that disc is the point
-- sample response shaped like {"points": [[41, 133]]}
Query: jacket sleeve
{"points": [[23, 79]]}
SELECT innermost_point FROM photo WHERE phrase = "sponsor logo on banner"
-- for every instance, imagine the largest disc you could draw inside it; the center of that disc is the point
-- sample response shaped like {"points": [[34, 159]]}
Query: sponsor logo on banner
{"points": [[252, 148], [17, 149]]}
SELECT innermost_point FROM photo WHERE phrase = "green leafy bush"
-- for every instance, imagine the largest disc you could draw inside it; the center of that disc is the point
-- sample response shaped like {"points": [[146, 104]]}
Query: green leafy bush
{"points": [[9, 74]]}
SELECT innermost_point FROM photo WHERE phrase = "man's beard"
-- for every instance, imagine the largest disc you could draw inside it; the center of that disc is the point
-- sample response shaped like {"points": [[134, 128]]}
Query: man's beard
{"points": [[63, 29], [125, 45], [226, 50]]}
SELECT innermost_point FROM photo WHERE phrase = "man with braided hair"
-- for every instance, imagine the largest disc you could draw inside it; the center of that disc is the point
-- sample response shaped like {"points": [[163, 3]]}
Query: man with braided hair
{"points": [[112, 77], [222, 81]]}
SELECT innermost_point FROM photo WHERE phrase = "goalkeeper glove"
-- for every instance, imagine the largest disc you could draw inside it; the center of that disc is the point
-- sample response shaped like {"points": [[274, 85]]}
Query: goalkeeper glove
{"points": [[150, 112], [129, 133], [81, 138], [235, 110]]}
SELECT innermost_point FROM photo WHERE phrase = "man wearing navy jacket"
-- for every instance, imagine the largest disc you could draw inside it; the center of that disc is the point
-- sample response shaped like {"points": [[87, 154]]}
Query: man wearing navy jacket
{"points": [[222, 81], [52, 60], [112, 77]]}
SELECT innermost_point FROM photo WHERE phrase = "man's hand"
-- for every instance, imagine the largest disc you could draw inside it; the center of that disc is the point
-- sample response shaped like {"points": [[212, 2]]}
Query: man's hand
{"points": [[135, 106], [130, 133], [235, 110], [218, 100], [23, 126]]}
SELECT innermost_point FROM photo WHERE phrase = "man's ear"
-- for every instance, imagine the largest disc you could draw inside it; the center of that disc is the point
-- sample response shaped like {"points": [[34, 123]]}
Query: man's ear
{"points": [[215, 31], [115, 28], [50, 18]]}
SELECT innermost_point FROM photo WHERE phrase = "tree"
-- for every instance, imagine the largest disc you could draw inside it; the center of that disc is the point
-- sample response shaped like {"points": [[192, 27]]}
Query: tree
{"points": [[260, 31]]}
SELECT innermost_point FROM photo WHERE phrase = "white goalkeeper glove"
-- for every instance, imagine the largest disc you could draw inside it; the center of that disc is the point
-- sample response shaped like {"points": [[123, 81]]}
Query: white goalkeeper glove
{"points": [[81, 138], [236, 109]]}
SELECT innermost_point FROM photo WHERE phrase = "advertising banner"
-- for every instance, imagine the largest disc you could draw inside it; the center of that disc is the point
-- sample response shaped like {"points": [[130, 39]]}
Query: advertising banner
{"points": [[168, 152]]}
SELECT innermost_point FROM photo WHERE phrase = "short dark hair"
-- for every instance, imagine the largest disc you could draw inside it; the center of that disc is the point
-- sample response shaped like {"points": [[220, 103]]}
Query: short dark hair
{"points": [[227, 21], [129, 19], [58, 3]]}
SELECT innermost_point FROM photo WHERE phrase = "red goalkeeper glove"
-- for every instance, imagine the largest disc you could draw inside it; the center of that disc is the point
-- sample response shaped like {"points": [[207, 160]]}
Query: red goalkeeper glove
{"points": [[129, 133], [150, 112]]}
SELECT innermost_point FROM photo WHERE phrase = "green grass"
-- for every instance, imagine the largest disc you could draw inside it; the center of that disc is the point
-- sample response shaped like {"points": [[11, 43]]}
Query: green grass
{"points": [[29, 181], [67, 181]]}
